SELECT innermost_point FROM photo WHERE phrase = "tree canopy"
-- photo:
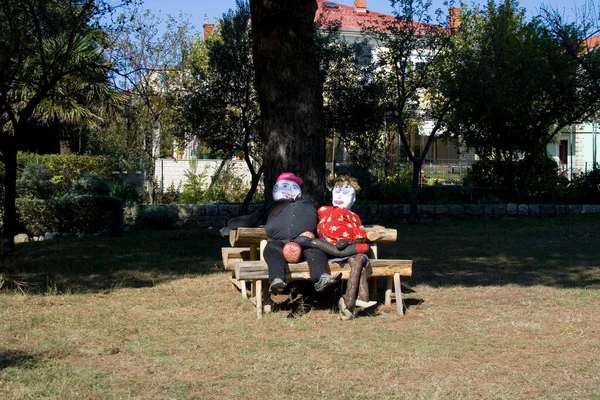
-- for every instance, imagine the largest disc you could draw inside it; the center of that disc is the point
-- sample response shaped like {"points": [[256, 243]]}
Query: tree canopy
{"points": [[518, 87]]}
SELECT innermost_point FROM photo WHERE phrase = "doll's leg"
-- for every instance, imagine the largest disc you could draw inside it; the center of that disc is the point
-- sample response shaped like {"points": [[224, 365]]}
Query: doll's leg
{"points": [[276, 264], [356, 265]]}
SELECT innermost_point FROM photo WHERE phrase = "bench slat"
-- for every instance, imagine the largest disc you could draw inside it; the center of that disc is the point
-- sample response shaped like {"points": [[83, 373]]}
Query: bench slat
{"points": [[234, 255], [256, 270], [252, 236]]}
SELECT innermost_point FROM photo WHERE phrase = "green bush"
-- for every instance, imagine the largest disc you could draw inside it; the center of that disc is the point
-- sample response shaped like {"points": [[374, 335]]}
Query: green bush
{"points": [[90, 214], [226, 188], [585, 188], [543, 186], [66, 168], [193, 188], [158, 217], [34, 182], [36, 216], [128, 192], [171, 195], [90, 185]]}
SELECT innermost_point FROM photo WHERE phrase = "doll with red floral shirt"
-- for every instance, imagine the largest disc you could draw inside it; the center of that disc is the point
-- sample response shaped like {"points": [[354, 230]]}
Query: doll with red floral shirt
{"points": [[342, 234]]}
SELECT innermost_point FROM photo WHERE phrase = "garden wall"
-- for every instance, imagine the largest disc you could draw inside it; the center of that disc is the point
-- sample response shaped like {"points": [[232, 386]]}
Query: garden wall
{"points": [[217, 215]]}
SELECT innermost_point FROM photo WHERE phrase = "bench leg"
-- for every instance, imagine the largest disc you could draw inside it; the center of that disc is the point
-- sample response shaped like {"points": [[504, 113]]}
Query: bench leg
{"points": [[372, 288], [259, 294], [398, 290], [243, 289], [388, 291]]}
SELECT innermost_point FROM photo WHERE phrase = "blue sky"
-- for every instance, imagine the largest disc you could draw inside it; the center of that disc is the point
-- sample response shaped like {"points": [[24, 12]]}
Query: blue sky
{"points": [[203, 10]]}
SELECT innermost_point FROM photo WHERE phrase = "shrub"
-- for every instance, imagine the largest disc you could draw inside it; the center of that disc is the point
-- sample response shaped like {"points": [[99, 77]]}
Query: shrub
{"points": [[36, 216], [226, 188], [585, 188], [128, 192], [193, 188], [90, 214], [90, 185], [158, 217], [170, 196], [66, 168], [34, 182]]}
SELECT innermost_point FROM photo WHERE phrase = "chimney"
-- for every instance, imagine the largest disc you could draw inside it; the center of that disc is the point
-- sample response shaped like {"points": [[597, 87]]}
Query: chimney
{"points": [[208, 30], [360, 6], [454, 19]]}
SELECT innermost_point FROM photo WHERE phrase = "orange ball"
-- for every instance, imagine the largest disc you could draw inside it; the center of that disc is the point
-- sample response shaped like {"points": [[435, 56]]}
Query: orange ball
{"points": [[308, 234], [292, 252]]}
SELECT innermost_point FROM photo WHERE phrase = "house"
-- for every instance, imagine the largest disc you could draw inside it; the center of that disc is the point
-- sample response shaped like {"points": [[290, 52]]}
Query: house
{"points": [[576, 149], [442, 156]]}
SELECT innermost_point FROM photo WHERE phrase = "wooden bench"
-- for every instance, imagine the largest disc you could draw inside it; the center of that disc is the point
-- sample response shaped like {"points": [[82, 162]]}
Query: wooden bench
{"points": [[245, 261]]}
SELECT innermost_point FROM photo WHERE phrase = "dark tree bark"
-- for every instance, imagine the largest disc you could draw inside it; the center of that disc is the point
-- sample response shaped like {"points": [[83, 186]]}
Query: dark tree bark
{"points": [[290, 91], [9, 158]]}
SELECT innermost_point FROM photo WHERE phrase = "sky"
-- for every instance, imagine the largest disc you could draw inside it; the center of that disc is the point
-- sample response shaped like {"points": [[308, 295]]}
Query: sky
{"points": [[203, 11]]}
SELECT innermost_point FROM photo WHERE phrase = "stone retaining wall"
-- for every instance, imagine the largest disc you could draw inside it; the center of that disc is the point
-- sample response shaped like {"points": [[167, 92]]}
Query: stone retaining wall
{"points": [[217, 215]]}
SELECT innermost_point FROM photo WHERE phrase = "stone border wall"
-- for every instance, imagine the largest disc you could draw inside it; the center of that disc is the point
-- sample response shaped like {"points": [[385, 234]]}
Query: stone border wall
{"points": [[217, 215]]}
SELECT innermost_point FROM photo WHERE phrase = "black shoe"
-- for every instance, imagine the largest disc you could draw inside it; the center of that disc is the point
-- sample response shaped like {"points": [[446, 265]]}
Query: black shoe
{"points": [[277, 286], [327, 280]]}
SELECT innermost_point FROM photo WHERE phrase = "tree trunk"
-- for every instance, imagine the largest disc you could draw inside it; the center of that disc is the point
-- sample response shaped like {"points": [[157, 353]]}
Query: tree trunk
{"points": [[9, 152], [290, 91], [416, 181], [253, 185]]}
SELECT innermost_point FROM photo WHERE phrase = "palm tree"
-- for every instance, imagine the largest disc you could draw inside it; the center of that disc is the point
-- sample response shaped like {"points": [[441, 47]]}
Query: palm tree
{"points": [[51, 68]]}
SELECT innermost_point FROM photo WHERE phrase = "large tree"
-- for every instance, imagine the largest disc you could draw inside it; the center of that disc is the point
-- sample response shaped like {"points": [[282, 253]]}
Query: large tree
{"points": [[414, 50], [353, 114], [289, 92], [520, 86], [49, 64], [223, 106]]}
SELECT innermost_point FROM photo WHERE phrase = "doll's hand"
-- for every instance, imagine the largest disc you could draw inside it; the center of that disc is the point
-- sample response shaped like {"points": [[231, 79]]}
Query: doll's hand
{"points": [[341, 244], [303, 241]]}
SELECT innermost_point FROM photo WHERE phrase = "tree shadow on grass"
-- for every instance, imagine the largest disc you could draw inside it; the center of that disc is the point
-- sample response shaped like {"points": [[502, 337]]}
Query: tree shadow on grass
{"points": [[17, 359], [557, 252], [142, 258]]}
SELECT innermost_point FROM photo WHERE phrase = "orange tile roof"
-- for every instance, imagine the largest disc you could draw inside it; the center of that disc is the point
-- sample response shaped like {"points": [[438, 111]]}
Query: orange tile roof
{"points": [[351, 19], [592, 42]]}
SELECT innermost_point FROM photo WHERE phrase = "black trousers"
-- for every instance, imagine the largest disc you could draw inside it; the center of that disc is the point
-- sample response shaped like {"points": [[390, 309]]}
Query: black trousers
{"points": [[273, 254]]}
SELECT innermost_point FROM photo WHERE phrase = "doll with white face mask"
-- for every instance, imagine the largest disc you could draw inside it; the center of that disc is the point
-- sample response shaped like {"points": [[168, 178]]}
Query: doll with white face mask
{"points": [[341, 227], [286, 218]]}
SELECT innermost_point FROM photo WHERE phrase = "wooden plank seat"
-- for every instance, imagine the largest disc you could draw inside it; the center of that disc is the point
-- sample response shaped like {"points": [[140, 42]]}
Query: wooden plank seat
{"points": [[257, 273], [253, 236], [233, 255]]}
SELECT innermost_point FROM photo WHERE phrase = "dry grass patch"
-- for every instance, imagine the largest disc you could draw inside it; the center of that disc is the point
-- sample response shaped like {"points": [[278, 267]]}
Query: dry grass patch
{"points": [[191, 336]]}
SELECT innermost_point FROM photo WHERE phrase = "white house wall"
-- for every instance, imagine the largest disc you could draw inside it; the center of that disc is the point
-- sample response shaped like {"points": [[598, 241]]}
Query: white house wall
{"points": [[173, 172]]}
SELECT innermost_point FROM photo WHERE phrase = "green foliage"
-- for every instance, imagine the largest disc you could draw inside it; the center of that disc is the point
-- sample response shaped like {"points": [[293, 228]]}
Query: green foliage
{"points": [[35, 182], [518, 83], [585, 188], [87, 213], [126, 191], [90, 214], [90, 185], [193, 188], [66, 168], [158, 217], [170, 195], [36, 216], [223, 107], [543, 185]]}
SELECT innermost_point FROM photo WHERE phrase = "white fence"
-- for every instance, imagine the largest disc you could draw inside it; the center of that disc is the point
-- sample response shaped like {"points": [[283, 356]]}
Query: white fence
{"points": [[173, 172]]}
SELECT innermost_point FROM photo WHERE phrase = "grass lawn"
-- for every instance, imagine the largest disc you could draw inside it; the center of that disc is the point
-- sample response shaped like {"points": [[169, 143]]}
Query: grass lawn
{"points": [[496, 310]]}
